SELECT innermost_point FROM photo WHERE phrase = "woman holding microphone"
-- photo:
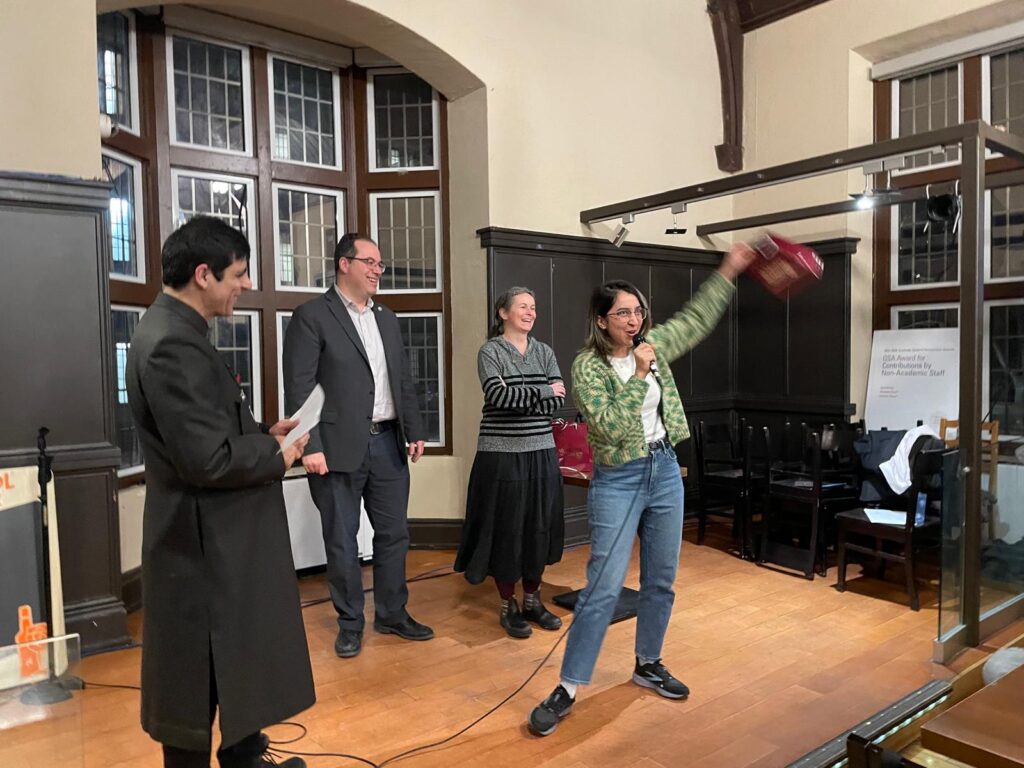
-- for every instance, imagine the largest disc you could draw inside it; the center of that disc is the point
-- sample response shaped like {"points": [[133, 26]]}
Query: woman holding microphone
{"points": [[623, 386]]}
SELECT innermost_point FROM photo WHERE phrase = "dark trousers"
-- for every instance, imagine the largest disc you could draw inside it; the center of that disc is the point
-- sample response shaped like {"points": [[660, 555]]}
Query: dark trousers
{"points": [[382, 483]]}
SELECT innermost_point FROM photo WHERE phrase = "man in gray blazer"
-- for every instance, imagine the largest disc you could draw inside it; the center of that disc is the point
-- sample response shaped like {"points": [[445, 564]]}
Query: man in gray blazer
{"points": [[369, 429], [223, 625]]}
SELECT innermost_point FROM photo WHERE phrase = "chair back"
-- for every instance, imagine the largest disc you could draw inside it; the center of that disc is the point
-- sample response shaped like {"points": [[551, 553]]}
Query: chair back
{"points": [[926, 476], [791, 445], [949, 431], [714, 441], [837, 445]]}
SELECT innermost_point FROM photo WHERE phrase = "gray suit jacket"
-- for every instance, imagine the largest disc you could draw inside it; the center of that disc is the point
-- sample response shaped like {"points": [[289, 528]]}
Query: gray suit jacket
{"points": [[322, 346]]}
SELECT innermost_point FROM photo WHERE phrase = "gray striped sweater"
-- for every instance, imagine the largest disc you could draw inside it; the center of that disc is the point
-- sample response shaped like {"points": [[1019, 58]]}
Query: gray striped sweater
{"points": [[518, 399]]}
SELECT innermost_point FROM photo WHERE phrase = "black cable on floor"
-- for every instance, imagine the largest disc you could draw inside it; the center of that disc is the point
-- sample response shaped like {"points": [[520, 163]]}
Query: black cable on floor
{"points": [[434, 573], [416, 750]]}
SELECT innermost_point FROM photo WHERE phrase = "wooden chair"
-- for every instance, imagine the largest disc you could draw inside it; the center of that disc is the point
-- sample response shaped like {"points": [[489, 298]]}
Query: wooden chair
{"points": [[926, 466], [727, 477], [949, 431], [817, 484]]}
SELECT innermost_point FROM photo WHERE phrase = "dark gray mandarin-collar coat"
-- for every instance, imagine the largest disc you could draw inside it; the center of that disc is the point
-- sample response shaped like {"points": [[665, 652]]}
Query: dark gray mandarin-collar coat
{"points": [[217, 574]]}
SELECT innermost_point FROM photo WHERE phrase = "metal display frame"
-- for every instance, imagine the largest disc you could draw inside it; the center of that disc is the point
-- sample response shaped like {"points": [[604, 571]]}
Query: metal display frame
{"points": [[973, 138]]}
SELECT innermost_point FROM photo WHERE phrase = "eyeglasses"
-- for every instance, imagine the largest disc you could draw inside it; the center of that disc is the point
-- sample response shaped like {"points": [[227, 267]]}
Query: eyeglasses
{"points": [[370, 263], [625, 314]]}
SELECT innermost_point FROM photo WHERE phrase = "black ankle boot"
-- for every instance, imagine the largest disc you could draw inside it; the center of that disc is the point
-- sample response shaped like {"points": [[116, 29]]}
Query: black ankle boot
{"points": [[512, 620], [540, 615]]}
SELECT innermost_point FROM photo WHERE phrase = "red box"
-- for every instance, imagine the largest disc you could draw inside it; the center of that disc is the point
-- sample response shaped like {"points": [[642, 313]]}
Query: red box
{"points": [[784, 266]]}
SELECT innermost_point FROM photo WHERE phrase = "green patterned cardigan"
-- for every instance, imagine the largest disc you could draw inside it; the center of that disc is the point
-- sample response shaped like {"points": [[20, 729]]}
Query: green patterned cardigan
{"points": [[612, 407]]}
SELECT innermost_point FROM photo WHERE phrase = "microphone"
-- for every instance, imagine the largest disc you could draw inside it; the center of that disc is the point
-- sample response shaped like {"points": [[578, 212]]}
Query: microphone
{"points": [[637, 341]]}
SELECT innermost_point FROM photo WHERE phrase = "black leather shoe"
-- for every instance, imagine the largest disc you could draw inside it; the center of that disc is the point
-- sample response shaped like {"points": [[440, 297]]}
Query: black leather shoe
{"points": [[349, 643], [407, 629], [541, 616], [512, 620]]}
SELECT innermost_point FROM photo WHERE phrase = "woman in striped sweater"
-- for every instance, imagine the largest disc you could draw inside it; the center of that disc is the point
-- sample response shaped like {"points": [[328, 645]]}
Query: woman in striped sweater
{"points": [[514, 525]]}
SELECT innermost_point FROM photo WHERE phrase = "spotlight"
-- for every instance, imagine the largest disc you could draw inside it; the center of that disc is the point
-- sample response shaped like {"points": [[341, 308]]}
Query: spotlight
{"points": [[944, 208], [870, 198], [619, 236], [674, 229]]}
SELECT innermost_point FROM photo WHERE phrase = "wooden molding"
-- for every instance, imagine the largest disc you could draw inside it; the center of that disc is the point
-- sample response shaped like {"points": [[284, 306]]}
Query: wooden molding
{"points": [[759, 13], [725, 24]]}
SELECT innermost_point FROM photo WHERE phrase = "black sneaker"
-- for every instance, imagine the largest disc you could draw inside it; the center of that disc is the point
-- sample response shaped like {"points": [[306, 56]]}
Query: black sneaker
{"points": [[546, 715], [654, 675], [512, 620]]}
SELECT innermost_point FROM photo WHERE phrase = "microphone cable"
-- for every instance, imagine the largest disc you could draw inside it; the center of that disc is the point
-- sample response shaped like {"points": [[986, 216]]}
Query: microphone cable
{"points": [[577, 611]]}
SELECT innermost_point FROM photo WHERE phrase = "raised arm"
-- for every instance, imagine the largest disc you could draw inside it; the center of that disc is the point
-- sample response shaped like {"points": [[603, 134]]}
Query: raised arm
{"points": [[699, 316]]}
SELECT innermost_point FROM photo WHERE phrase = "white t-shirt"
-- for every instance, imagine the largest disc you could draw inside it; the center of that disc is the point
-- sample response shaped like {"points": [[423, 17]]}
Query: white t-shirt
{"points": [[625, 367]]}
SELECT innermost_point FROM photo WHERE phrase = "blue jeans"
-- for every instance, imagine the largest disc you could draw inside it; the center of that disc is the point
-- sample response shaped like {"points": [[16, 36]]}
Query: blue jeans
{"points": [[646, 497]]}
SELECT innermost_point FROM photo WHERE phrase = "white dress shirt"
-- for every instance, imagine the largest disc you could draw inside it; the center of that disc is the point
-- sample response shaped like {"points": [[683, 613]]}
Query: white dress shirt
{"points": [[365, 322]]}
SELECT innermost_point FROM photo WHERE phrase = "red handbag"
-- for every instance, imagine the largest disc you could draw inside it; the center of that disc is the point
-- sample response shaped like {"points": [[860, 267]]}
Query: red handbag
{"points": [[574, 456], [784, 265]]}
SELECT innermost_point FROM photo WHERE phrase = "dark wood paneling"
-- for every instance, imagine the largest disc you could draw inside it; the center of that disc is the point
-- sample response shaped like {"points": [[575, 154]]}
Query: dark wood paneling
{"points": [[768, 360], [577, 525], [671, 288], [55, 326], [57, 341], [532, 273], [434, 534], [131, 589], [712, 361], [576, 279], [818, 337], [762, 320]]}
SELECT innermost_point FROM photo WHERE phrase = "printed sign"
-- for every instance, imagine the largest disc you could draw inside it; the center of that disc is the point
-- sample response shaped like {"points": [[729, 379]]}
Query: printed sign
{"points": [[914, 376]]}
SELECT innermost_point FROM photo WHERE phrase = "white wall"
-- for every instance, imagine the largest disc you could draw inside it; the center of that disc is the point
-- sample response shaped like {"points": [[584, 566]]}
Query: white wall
{"points": [[130, 502], [48, 88]]}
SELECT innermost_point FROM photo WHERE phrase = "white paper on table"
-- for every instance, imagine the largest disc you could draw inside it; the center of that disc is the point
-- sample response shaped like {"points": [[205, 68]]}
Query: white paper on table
{"points": [[886, 516], [308, 416]]}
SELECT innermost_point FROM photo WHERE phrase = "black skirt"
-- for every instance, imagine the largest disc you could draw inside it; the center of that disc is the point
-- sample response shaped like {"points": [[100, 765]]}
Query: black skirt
{"points": [[514, 525]]}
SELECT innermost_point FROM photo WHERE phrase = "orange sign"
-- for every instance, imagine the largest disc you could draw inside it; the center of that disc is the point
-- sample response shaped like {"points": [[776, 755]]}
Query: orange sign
{"points": [[31, 656]]}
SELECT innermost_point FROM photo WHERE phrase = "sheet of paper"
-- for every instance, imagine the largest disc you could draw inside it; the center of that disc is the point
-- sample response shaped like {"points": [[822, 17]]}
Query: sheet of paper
{"points": [[886, 516], [308, 416]]}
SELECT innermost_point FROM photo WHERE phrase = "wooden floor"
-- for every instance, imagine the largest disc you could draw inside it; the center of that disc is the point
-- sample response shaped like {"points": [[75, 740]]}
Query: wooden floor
{"points": [[776, 664]]}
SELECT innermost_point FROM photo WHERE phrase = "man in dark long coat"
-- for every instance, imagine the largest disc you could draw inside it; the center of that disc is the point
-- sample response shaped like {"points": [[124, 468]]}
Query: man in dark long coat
{"points": [[222, 627]]}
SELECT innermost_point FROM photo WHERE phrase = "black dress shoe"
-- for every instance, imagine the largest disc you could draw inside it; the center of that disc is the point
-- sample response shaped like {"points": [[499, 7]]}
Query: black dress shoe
{"points": [[541, 616], [349, 643], [512, 620], [407, 629]]}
